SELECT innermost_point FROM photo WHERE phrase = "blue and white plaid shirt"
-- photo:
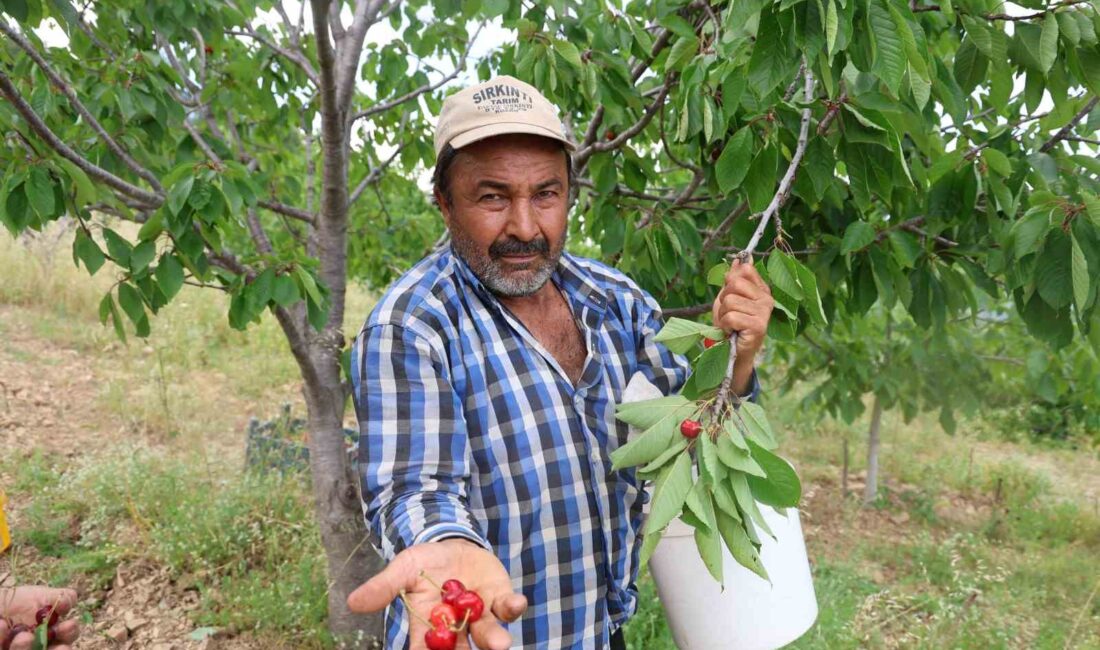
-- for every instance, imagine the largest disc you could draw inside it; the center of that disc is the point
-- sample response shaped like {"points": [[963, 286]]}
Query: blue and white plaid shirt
{"points": [[469, 427]]}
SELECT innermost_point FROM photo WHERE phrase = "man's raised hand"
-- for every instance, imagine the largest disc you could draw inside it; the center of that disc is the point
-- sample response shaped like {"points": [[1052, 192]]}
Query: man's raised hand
{"points": [[418, 572]]}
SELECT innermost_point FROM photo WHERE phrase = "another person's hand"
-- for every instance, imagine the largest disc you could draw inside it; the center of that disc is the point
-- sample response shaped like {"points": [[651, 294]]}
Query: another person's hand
{"points": [[744, 305], [475, 567], [19, 605]]}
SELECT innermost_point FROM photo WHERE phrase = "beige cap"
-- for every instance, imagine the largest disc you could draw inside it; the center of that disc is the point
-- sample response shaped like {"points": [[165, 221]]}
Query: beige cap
{"points": [[501, 105]]}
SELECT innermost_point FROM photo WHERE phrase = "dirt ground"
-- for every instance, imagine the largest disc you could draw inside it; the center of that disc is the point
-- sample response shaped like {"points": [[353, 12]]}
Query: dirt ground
{"points": [[48, 401]]}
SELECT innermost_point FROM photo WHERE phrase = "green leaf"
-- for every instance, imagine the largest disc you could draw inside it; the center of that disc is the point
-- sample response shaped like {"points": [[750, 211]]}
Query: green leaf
{"points": [[739, 544], [85, 190], [569, 52], [39, 190], [697, 500], [645, 413], [17, 9], [782, 278], [1053, 272], [858, 235], [709, 463], [997, 161], [970, 66], [830, 27], [1027, 232], [680, 335], [716, 276], [757, 425], [767, 65], [669, 494], [285, 292], [760, 181], [709, 541], [682, 52], [1080, 276], [85, 249], [142, 255], [679, 444], [117, 247], [733, 164], [169, 274], [1048, 42], [129, 298], [1092, 207], [808, 280], [886, 46], [732, 427], [107, 309], [177, 196], [737, 459], [862, 119], [710, 369], [746, 503], [781, 488]]}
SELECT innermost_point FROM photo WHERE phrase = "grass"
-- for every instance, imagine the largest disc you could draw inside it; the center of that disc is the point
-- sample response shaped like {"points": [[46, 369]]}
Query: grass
{"points": [[974, 542]]}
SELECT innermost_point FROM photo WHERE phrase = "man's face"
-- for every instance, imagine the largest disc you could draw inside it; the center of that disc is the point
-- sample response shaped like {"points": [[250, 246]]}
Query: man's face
{"points": [[509, 209]]}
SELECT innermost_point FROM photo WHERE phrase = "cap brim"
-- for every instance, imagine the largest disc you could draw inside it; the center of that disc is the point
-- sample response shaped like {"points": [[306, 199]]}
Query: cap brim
{"points": [[504, 128]]}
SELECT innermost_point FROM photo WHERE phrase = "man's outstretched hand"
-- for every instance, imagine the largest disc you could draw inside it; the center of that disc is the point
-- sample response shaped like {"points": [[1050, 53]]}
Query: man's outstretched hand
{"points": [[19, 606], [475, 567]]}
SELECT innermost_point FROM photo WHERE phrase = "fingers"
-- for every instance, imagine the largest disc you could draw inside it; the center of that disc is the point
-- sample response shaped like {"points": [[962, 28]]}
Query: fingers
{"points": [[379, 591], [63, 600], [25, 641], [509, 607], [66, 632], [735, 321], [488, 633]]}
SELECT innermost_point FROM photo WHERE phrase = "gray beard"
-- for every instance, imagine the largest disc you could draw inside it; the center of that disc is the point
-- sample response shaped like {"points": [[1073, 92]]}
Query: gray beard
{"points": [[492, 273]]}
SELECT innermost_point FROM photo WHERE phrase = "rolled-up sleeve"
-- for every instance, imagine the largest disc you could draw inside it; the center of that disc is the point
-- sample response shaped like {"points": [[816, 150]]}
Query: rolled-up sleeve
{"points": [[414, 455]]}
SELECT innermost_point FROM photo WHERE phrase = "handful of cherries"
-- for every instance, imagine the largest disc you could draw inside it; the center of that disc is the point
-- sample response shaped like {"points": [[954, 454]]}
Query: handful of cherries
{"points": [[459, 608], [46, 617]]}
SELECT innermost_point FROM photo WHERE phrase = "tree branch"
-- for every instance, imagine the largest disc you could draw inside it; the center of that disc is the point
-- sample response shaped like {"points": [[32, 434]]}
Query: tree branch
{"points": [[426, 88], [597, 118], [294, 56], [351, 48], [916, 8], [287, 210], [85, 114], [1068, 128], [781, 195], [580, 158], [724, 227], [374, 174], [831, 113], [9, 91]]}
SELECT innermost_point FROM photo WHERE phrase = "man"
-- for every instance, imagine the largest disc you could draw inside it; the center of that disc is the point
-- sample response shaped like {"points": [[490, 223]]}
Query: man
{"points": [[485, 382]]}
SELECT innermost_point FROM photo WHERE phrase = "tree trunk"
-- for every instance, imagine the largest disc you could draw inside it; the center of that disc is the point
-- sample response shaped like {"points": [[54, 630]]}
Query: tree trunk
{"points": [[870, 490], [350, 558]]}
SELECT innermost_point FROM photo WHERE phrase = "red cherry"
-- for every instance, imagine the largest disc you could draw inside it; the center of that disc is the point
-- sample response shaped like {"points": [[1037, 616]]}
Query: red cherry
{"points": [[469, 606], [440, 638], [46, 612], [690, 428], [610, 135], [451, 590], [444, 615], [208, 49], [709, 343]]}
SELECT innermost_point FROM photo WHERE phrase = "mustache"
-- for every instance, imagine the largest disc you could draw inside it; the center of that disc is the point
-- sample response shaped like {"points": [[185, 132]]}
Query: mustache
{"points": [[513, 246]]}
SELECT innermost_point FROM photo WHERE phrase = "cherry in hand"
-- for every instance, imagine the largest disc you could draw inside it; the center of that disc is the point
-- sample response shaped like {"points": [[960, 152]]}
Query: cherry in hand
{"points": [[440, 638]]}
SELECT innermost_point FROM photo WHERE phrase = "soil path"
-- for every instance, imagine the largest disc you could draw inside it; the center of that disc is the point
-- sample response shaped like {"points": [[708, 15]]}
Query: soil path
{"points": [[50, 399]]}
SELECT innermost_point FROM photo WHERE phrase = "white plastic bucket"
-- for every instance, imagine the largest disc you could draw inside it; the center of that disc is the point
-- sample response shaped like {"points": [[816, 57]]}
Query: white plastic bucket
{"points": [[750, 614]]}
